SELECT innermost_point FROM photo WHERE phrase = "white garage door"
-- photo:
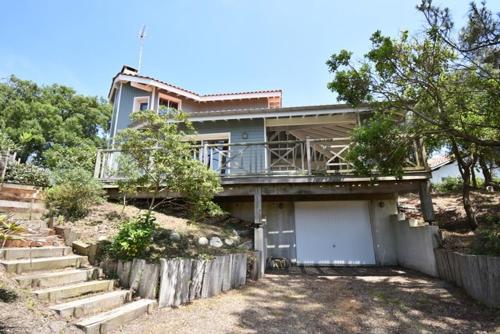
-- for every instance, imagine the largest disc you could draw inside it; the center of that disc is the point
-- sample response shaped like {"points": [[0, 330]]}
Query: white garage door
{"points": [[333, 233]]}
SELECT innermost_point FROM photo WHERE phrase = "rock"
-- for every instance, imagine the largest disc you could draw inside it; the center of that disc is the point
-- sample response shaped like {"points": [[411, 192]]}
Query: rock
{"points": [[202, 241], [102, 238], [216, 242], [175, 236], [57, 326], [229, 242]]}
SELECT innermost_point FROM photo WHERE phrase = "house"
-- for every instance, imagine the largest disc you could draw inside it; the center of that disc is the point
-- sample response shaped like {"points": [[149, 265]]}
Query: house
{"points": [[442, 167], [283, 168]]}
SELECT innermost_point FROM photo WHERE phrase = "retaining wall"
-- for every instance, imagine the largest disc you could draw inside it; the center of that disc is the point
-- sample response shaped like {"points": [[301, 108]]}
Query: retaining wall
{"points": [[178, 281], [478, 275], [26, 201], [415, 245]]}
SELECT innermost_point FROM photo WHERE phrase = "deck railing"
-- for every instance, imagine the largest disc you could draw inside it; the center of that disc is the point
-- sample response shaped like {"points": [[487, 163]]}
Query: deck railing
{"points": [[277, 158]]}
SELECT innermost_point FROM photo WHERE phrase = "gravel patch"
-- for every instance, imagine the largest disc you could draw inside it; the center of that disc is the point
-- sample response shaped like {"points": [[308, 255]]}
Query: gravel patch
{"points": [[348, 300]]}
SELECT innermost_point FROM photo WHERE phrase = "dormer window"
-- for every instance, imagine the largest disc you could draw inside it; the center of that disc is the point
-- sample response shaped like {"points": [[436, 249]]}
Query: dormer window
{"points": [[141, 103]]}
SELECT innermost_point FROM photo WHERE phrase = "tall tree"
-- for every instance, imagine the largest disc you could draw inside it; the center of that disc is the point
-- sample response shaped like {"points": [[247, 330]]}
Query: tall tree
{"points": [[437, 86], [40, 119]]}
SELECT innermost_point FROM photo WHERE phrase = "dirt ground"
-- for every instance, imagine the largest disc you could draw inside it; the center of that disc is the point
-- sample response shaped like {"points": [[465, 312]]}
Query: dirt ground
{"points": [[322, 300], [450, 215]]}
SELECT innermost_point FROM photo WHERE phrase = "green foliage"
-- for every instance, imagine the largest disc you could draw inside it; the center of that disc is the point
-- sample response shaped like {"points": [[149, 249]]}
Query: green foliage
{"points": [[452, 184], [9, 229], [27, 174], [159, 158], [74, 192], [38, 118], [380, 147], [81, 155], [6, 144], [488, 239], [134, 237], [448, 185]]}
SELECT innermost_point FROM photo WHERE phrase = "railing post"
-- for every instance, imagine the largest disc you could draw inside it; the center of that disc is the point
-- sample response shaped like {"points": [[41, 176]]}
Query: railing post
{"points": [[205, 154], [97, 168], [308, 155]]}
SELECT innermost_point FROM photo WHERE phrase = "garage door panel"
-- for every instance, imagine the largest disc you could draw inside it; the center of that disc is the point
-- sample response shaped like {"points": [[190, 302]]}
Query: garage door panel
{"points": [[333, 233]]}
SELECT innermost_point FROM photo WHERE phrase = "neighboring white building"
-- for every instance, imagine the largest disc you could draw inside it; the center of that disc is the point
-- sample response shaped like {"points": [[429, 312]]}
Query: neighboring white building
{"points": [[441, 167]]}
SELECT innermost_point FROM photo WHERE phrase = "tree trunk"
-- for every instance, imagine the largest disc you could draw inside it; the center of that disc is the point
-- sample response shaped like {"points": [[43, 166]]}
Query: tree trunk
{"points": [[464, 166], [488, 179], [469, 210], [473, 176]]}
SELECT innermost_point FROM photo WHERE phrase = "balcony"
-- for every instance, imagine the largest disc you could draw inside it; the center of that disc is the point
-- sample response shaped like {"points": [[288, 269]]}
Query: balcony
{"points": [[309, 157]]}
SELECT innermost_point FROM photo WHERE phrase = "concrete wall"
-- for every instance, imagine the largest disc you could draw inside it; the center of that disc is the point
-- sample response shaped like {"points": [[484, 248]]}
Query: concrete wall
{"points": [[415, 246], [383, 237]]}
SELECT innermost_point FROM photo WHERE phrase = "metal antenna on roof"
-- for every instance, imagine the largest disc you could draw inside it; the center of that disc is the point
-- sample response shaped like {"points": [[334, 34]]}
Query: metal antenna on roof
{"points": [[142, 35]]}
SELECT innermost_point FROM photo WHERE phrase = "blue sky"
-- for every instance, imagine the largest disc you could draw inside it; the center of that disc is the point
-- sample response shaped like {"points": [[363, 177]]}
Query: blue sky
{"points": [[206, 46]]}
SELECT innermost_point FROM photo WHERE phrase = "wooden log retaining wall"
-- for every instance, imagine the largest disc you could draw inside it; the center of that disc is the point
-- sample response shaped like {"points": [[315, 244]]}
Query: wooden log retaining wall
{"points": [[478, 275], [25, 201], [179, 281]]}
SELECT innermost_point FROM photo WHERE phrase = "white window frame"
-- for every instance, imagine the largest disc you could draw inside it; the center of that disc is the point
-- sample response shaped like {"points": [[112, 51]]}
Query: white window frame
{"points": [[140, 99]]}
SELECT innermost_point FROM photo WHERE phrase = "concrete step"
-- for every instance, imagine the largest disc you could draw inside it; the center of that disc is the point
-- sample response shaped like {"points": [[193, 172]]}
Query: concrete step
{"points": [[59, 293], [57, 278], [107, 321], [94, 304], [48, 263], [35, 252]]}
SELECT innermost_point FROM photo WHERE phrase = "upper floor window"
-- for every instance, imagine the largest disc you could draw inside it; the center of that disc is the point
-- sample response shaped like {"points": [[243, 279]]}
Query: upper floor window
{"points": [[141, 103], [168, 103]]}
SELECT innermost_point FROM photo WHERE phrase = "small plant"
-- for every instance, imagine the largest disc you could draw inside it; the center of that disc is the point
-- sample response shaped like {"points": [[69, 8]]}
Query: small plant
{"points": [[488, 239], [8, 229], [19, 173], [74, 192], [134, 237]]}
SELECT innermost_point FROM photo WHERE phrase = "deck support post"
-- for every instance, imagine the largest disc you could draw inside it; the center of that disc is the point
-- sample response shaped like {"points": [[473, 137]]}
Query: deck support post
{"points": [[259, 242], [308, 155], [426, 202]]}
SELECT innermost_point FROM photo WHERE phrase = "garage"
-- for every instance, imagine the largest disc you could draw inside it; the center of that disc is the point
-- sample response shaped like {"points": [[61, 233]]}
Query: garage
{"points": [[334, 233]]}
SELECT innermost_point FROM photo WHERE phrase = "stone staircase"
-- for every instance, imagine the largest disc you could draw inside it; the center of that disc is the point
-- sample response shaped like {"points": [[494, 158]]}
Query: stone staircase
{"points": [[72, 288]]}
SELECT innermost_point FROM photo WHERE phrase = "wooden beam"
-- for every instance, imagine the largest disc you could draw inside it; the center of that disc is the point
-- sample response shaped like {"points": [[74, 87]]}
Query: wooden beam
{"points": [[344, 118], [259, 243]]}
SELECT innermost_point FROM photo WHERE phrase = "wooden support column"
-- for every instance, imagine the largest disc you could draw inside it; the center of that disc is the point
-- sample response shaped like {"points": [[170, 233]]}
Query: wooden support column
{"points": [[259, 242], [308, 155], [426, 202]]}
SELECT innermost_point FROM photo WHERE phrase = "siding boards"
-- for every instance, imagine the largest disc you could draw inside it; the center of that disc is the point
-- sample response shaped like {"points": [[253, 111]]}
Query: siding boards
{"points": [[252, 159], [127, 104]]}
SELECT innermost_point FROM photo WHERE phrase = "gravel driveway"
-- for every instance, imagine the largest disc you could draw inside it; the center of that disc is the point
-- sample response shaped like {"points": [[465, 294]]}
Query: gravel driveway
{"points": [[323, 300]]}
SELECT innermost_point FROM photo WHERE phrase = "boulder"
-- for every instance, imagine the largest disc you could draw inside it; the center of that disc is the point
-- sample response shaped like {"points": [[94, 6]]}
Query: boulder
{"points": [[202, 241], [216, 242], [175, 236], [229, 241]]}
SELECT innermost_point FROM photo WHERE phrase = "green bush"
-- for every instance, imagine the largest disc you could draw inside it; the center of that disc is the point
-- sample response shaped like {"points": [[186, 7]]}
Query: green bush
{"points": [[488, 239], [74, 192], [134, 237], [27, 174], [449, 184]]}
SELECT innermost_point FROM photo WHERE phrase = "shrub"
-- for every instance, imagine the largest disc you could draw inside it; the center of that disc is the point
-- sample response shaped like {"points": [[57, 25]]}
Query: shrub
{"points": [[449, 184], [27, 174], [74, 192], [134, 237], [488, 239]]}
